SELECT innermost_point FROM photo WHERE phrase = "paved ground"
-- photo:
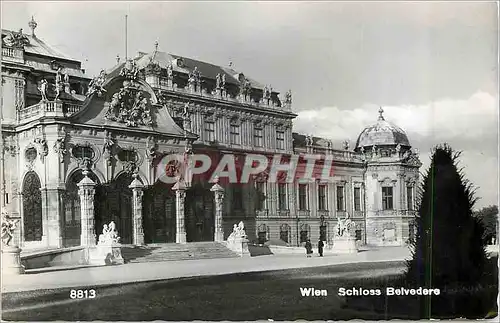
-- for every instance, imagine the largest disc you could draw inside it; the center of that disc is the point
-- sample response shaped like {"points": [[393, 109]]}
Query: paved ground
{"points": [[141, 272]]}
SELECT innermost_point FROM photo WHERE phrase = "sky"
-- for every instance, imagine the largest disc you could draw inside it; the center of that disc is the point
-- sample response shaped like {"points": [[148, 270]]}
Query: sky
{"points": [[432, 66]]}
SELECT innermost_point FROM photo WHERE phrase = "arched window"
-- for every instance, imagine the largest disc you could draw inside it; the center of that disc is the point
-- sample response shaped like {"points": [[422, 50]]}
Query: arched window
{"points": [[32, 208]]}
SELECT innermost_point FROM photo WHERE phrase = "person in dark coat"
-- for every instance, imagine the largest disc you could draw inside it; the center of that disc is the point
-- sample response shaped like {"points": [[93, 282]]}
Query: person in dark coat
{"points": [[309, 248], [320, 247]]}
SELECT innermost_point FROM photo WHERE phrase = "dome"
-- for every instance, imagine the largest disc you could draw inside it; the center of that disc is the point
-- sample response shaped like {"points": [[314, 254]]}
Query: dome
{"points": [[382, 133]]}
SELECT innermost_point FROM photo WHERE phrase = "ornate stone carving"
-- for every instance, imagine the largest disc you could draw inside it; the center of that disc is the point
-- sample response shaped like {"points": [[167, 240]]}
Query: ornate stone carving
{"points": [[130, 107], [245, 90], [131, 167], [43, 148], [266, 94], [170, 72], [288, 98], [130, 71], [16, 39], [96, 85], [60, 148], [309, 140], [8, 227], [238, 232], [344, 226], [346, 144], [109, 234], [84, 163], [108, 145], [153, 68]]}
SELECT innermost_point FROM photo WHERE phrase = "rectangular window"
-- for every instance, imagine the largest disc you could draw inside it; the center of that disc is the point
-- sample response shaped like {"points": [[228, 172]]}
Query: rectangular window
{"points": [[258, 137], [409, 197], [322, 197], [302, 197], [261, 196], [280, 139], [209, 131], [387, 198], [340, 198], [282, 203], [357, 199], [234, 134]]}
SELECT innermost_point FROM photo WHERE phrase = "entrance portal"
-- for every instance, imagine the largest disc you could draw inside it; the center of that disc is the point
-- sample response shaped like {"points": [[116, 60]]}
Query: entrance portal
{"points": [[199, 213], [113, 202], [159, 214]]}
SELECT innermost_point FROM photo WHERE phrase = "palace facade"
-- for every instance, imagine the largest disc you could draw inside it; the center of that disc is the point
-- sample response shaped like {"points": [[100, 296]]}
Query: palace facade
{"points": [[79, 152]]}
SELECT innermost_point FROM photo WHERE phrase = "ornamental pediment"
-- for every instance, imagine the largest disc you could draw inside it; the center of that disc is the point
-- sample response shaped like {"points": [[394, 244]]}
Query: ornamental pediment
{"points": [[122, 99]]}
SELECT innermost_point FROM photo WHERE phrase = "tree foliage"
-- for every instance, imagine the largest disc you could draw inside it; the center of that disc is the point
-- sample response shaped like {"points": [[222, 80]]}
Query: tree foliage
{"points": [[489, 218], [448, 250]]}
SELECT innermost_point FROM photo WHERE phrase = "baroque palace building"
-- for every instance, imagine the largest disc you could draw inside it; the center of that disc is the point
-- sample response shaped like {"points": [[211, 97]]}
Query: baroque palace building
{"points": [[79, 152]]}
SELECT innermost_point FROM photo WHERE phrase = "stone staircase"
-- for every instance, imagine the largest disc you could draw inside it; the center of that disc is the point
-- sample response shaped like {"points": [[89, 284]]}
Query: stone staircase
{"points": [[174, 251]]}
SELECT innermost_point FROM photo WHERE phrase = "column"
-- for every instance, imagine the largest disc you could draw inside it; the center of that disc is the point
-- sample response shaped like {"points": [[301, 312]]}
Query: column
{"points": [[219, 202], [86, 192], [53, 212], [137, 193], [180, 195]]}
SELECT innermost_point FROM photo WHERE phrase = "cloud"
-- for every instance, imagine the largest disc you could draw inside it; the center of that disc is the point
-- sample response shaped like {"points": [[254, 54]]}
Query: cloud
{"points": [[469, 125]]}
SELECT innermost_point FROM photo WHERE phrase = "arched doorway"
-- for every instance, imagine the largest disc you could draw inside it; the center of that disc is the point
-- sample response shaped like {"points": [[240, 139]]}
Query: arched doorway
{"points": [[113, 202], [199, 212], [71, 228], [159, 214], [32, 208]]}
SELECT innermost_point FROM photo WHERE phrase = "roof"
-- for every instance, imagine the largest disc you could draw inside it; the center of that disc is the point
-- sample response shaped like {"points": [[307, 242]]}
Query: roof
{"points": [[207, 70], [39, 47], [299, 141], [382, 133]]}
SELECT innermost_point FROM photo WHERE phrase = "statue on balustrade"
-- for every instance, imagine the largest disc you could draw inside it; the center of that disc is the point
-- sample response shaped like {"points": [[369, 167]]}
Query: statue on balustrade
{"points": [[43, 89]]}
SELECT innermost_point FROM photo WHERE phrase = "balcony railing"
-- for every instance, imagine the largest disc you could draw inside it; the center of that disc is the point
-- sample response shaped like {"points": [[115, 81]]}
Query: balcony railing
{"points": [[220, 95], [47, 108], [283, 213], [12, 53]]}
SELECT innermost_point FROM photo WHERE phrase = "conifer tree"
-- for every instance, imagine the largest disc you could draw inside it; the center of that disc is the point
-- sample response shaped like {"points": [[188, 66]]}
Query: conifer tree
{"points": [[448, 252]]}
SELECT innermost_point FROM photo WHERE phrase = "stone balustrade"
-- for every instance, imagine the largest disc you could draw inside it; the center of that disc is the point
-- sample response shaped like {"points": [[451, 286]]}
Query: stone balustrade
{"points": [[13, 54], [47, 108]]}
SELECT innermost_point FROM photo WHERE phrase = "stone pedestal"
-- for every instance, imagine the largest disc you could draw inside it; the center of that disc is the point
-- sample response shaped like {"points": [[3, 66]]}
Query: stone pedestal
{"points": [[138, 232], [219, 203], [239, 246], [11, 261], [105, 254], [180, 195], [86, 192], [344, 245]]}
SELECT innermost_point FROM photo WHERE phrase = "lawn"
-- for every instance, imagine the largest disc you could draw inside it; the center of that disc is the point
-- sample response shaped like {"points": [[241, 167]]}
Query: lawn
{"points": [[245, 296]]}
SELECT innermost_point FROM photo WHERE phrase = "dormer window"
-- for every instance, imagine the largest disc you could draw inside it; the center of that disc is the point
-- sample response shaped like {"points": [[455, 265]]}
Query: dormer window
{"points": [[179, 62]]}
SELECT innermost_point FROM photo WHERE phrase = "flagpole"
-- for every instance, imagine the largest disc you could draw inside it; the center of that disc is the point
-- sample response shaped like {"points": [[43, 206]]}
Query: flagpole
{"points": [[126, 54]]}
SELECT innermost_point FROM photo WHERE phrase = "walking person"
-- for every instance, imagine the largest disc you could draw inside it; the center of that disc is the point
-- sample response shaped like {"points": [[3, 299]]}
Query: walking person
{"points": [[309, 249], [320, 247]]}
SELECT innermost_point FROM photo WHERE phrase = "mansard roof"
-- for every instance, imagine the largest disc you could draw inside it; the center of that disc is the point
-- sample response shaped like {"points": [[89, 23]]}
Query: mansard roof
{"points": [[37, 46]]}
